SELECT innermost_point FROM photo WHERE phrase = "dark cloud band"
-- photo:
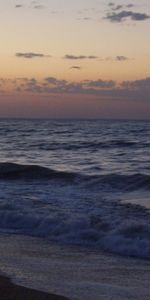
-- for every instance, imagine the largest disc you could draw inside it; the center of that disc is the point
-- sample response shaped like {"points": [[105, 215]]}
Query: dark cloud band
{"points": [[137, 89], [124, 14]]}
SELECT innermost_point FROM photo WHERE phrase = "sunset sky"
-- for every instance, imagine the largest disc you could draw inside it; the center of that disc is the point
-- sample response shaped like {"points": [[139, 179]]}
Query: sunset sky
{"points": [[83, 58]]}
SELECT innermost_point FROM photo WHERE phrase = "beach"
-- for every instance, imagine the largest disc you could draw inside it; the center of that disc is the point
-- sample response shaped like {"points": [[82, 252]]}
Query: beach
{"points": [[73, 272], [11, 291]]}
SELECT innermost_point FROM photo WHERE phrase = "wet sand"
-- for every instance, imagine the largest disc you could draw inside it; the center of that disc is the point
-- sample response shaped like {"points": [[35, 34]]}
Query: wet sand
{"points": [[11, 291], [73, 272]]}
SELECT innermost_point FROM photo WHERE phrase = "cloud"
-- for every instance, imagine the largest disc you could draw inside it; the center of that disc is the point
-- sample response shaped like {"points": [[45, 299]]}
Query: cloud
{"points": [[130, 5], [100, 83], [51, 85], [92, 57], [127, 90], [120, 13], [30, 55], [126, 14], [134, 90], [118, 58], [119, 7], [111, 4], [121, 58], [54, 81], [54, 85], [137, 84], [19, 5], [33, 5], [39, 6], [79, 57], [76, 67], [85, 18], [36, 4]]}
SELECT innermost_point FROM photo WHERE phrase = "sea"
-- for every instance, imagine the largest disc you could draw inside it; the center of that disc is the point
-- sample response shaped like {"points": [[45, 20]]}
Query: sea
{"points": [[77, 183]]}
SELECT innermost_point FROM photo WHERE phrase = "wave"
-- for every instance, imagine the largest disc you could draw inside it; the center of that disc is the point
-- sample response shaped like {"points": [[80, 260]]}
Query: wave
{"points": [[94, 145], [19, 171], [127, 182], [113, 233], [71, 213]]}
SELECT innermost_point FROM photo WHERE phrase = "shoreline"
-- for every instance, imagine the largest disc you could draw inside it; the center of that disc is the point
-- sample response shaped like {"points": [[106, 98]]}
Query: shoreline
{"points": [[11, 291], [47, 269]]}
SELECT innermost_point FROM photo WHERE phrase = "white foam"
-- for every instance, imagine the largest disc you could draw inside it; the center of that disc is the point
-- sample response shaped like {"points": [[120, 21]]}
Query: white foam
{"points": [[70, 214]]}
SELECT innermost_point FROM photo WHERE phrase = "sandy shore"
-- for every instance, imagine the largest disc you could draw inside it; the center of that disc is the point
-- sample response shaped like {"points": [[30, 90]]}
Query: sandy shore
{"points": [[11, 291], [73, 272]]}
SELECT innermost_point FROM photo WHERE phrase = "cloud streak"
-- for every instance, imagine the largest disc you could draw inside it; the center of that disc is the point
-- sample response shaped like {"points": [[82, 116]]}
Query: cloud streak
{"points": [[38, 6], [79, 57], [19, 5], [30, 55], [76, 67], [33, 5], [118, 58], [100, 83], [121, 58], [115, 7]]}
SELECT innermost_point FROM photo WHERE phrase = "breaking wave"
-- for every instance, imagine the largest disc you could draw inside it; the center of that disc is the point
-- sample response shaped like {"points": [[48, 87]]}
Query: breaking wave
{"points": [[77, 212], [18, 171], [113, 181], [126, 237]]}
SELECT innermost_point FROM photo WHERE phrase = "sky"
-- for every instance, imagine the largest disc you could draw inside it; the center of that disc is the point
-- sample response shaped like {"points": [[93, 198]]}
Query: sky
{"points": [[75, 59]]}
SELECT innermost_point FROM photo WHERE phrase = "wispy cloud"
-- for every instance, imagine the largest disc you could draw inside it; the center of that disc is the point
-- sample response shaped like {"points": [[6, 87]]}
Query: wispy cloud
{"points": [[117, 58], [121, 58], [38, 6], [111, 4], [116, 7], [85, 18], [33, 5], [79, 57], [76, 67], [30, 55], [130, 5], [100, 83], [19, 5]]}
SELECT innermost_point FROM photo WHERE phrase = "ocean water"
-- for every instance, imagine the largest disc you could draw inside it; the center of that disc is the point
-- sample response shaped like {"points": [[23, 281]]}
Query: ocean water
{"points": [[77, 182]]}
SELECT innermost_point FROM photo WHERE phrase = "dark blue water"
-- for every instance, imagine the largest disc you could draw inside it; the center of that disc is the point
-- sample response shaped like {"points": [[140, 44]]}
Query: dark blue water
{"points": [[77, 182]]}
